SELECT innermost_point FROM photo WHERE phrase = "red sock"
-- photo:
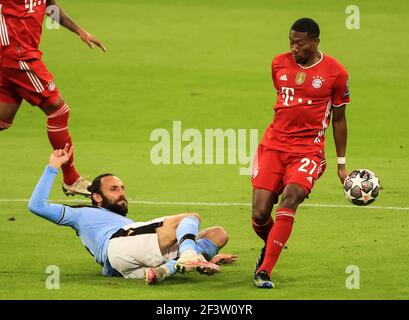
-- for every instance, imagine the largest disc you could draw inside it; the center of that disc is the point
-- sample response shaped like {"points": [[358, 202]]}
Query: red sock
{"points": [[277, 238], [263, 229], [57, 128]]}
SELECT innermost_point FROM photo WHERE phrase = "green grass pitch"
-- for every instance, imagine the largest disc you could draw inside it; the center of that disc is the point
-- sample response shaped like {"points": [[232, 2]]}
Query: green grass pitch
{"points": [[207, 64]]}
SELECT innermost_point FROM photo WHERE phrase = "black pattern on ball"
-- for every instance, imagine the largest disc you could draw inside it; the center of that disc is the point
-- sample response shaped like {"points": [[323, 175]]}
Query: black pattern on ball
{"points": [[367, 186], [356, 192]]}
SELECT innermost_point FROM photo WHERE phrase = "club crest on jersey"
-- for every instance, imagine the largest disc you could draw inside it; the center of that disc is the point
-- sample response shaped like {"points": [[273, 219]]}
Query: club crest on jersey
{"points": [[51, 86], [317, 82], [300, 78]]}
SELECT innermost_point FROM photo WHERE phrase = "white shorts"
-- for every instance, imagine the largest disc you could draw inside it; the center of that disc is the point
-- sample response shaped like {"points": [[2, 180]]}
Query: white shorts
{"points": [[131, 255]]}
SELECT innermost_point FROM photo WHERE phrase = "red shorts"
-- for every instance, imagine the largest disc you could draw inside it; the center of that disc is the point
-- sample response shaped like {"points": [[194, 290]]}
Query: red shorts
{"points": [[273, 169], [29, 80]]}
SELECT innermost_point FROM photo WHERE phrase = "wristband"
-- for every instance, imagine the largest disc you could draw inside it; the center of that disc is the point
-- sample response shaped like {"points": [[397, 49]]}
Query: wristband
{"points": [[341, 160]]}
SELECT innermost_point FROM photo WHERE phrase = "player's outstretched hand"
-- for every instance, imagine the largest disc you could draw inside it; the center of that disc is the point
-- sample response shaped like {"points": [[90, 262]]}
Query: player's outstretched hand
{"points": [[91, 41], [61, 156], [342, 172], [223, 258]]}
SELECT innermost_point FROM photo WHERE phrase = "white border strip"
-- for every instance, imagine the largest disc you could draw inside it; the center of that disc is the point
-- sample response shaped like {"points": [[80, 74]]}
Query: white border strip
{"points": [[215, 204], [4, 37], [32, 76]]}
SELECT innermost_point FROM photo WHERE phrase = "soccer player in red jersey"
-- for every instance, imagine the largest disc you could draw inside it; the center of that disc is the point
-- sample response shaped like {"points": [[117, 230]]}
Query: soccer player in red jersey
{"points": [[310, 87], [23, 75]]}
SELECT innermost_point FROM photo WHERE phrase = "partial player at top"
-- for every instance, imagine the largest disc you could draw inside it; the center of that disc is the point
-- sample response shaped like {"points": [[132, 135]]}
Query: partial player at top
{"points": [[24, 76]]}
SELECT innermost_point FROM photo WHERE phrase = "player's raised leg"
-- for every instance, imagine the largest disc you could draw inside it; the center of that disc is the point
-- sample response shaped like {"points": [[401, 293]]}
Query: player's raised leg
{"points": [[57, 113], [208, 243], [292, 196], [184, 229]]}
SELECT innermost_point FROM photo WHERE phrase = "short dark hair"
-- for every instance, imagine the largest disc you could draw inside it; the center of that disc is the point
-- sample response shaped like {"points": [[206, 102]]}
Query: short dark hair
{"points": [[307, 25], [95, 186]]}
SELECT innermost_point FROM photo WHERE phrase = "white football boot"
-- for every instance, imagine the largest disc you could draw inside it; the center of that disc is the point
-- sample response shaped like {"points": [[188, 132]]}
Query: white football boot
{"points": [[80, 187], [156, 275], [190, 260]]}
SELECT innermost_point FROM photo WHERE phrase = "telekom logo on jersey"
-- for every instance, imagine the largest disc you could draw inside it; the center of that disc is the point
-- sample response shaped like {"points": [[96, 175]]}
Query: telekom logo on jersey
{"points": [[31, 4], [288, 94]]}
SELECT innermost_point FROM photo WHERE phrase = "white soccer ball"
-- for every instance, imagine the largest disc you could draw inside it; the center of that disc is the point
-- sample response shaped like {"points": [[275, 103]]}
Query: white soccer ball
{"points": [[361, 187]]}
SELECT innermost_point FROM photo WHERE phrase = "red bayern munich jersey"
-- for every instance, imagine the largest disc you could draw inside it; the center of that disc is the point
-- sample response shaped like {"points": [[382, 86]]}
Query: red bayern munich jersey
{"points": [[21, 23], [305, 98]]}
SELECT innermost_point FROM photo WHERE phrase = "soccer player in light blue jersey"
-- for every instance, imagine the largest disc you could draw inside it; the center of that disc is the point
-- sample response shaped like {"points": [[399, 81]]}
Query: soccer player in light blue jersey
{"points": [[153, 250]]}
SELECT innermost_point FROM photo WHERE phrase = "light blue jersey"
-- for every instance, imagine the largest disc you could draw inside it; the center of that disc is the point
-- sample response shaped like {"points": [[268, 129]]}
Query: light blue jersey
{"points": [[94, 226]]}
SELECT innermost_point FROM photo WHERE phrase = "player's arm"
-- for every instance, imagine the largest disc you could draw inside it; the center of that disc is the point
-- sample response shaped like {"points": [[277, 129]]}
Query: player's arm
{"points": [[71, 25], [38, 203], [339, 126]]}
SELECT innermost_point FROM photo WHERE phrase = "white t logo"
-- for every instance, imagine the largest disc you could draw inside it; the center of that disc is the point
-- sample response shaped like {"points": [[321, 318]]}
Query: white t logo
{"points": [[30, 4], [287, 92]]}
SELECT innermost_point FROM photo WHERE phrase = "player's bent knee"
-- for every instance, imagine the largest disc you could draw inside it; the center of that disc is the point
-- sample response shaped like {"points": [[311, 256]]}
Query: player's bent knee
{"points": [[196, 215], [216, 234], [52, 104], [292, 200], [58, 120], [261, 213], [222, 236]]}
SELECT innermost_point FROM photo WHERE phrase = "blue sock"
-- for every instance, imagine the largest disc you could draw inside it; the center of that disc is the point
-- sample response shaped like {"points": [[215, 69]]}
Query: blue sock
{"points": [[207, 247], [169, 265], [186, 233]]}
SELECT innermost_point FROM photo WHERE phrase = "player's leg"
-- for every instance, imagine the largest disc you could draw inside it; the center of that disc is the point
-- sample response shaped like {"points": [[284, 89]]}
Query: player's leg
{"points": [[184, 229], [299, 181], [210, 241], [57, 112], [7, 114], [262, 206], [10, 101], [292, 196], [267, 185], [35, 84], [159, 274], [167, 232], [267, 178], [262, 221]]}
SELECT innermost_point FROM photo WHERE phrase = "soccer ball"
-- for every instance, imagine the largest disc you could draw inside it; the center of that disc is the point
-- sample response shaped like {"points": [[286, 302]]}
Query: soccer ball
{"points": [[361, 187]]}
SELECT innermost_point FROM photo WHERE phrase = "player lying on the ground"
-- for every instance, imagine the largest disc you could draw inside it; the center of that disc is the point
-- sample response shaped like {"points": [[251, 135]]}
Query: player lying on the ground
{"points": [[153, 250], [24, 76]]}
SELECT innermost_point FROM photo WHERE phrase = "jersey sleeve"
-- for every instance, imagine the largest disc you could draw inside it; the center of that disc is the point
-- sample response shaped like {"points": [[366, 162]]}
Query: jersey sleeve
{"points": [[69, 217], [39, 205], [340, 93]]}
